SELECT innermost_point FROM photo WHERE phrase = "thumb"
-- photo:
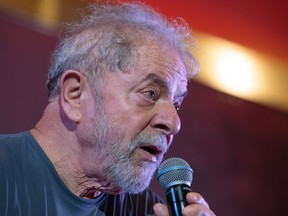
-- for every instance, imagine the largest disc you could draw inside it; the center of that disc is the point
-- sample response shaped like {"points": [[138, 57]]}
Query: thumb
{"points": [[160, 209]]}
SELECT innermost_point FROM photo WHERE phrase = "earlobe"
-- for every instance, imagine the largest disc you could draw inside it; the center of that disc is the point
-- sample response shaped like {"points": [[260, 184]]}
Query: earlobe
{"points": [[71, 91]]}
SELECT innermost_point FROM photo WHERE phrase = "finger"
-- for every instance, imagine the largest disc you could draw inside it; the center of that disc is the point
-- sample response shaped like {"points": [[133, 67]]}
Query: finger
{"points": [[197, 209], [160, 209], [196, 198]]}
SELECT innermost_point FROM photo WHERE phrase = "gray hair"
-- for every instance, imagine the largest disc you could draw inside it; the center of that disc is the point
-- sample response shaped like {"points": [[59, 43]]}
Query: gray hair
{"points": [[109, 35]]}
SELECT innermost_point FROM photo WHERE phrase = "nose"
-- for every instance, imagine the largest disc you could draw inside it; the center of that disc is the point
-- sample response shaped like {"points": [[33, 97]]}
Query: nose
{"points": [[166, 119]]}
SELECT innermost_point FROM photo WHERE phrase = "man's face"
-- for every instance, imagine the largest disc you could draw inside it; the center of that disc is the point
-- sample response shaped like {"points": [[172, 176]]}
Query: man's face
{"points": [[134, 125]]}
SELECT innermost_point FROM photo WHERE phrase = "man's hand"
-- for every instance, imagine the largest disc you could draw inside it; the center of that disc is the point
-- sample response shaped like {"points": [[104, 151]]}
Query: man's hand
{"points": [[197, 206]]}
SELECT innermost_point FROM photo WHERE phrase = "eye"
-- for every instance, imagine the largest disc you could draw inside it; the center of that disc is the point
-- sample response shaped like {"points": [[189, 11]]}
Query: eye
{"points": [[151, 95]]}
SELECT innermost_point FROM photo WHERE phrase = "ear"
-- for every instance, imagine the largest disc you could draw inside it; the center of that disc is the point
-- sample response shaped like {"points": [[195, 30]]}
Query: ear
{"points": [[72, 88]]}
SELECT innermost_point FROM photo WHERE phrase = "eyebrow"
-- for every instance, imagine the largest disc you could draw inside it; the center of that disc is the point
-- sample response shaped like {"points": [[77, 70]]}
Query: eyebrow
{"points": [[157, 79], [164, 84]]}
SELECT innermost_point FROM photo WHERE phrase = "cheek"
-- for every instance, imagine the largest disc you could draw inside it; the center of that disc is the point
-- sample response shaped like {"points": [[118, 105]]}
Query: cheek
{"points": [[130, 123], [125, 115]]}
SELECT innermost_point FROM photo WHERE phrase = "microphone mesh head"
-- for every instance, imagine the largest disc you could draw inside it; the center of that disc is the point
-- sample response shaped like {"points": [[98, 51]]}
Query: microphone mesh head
{"points": [[174, 171]]}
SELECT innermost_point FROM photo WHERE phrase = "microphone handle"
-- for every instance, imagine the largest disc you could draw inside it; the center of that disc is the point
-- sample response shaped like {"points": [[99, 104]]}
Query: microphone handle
{"points": [[176, 198]]}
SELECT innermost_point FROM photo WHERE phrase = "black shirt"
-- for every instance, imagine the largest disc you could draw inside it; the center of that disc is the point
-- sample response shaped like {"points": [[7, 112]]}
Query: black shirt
{"points": [[30, 185]]}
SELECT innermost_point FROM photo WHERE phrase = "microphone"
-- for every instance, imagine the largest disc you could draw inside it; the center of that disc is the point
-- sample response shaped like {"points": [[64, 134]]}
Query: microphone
{"points": [[175, 177]]}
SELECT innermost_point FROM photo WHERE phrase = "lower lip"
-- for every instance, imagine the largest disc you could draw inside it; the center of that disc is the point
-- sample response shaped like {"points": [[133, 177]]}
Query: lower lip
{"points": [[146, 155]]}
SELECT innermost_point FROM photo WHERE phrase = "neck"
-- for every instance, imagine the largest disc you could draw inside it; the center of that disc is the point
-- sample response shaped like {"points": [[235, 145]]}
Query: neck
{"points": [[62, 148], [76, 180]]}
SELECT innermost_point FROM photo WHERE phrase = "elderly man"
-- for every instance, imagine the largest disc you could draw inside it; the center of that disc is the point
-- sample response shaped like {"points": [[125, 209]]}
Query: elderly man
{"points": [[116, 82]]}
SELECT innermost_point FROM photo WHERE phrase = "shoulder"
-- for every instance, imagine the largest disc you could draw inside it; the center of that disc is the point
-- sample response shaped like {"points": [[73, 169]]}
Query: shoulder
{"points": [[13, 146], [13, 143], [8, 140]]}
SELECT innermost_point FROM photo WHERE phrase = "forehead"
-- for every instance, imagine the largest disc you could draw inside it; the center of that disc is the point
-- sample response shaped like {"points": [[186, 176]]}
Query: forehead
{"points": [[164, 63]]}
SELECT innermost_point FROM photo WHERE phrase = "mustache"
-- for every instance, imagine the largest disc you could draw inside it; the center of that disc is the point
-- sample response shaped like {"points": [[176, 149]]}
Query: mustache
{"points": [[159, 141]]}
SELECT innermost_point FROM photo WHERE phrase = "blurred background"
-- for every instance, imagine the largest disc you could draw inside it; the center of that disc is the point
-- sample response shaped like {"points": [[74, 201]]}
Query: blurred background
{"points": [[235, 119]]}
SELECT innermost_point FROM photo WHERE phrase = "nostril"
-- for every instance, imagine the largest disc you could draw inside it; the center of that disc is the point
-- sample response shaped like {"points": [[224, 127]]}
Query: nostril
{"points": [[163, 127]]}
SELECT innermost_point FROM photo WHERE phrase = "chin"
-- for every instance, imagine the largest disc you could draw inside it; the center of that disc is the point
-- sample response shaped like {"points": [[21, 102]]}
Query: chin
{"points": [[139, 182], [132, 176]]}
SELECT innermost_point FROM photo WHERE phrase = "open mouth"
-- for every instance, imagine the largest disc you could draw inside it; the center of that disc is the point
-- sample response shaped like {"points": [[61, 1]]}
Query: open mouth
{"points": [[151, 150]]}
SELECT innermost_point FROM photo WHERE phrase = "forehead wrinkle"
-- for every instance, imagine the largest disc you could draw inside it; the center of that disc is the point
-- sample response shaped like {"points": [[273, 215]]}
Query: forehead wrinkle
{"points": [[157, 57], [165, 68]]}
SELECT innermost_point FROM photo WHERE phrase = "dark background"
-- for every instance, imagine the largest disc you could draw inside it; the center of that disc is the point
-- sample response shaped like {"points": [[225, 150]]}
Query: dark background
{"points": [[237, 149]]}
